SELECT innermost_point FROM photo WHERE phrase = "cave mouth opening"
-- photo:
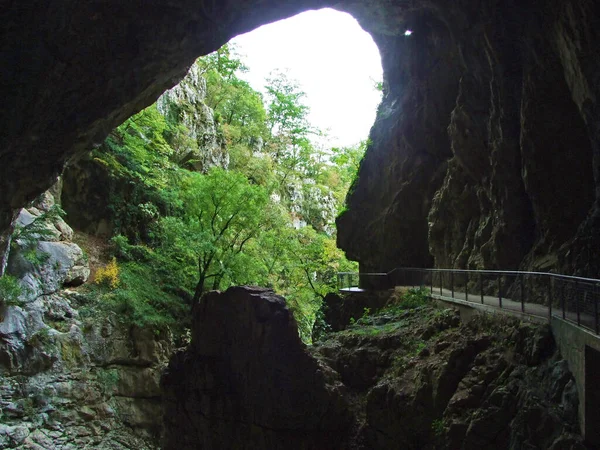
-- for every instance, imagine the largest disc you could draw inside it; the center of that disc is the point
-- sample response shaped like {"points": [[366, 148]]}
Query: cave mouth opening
{"points": [[335, 61]]}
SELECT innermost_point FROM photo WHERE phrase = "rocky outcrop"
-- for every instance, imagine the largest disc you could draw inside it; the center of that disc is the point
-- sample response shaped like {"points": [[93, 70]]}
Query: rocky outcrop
{"points": [[247, 381], [428, 381], [70, 375], [340, 311], [203, 146], [83, 383], [43, 260]]}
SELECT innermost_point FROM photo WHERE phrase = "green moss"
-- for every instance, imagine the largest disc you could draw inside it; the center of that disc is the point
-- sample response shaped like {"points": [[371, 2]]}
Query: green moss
{"points": [[70, 353]]}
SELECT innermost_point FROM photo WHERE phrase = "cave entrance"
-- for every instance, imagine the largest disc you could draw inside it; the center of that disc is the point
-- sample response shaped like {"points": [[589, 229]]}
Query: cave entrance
{"points": [[335, 61]]}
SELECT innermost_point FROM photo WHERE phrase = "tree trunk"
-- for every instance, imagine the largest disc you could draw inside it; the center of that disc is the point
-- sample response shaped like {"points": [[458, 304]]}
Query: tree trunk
{"points": [[199, 289]]}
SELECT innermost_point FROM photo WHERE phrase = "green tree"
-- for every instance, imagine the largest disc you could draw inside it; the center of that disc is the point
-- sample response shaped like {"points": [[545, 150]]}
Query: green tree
{"points": [[286, 112], [223, 212]]}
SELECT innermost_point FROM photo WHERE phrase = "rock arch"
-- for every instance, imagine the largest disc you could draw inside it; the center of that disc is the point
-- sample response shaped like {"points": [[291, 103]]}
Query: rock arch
{"points": [[74, 70]]}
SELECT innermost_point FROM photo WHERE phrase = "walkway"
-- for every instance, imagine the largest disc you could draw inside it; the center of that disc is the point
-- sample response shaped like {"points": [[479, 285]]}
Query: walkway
{"points": [[532, 309]]}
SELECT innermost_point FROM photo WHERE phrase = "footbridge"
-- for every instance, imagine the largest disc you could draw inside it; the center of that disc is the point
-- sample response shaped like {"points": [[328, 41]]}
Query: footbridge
{"points": [[569, 304]]}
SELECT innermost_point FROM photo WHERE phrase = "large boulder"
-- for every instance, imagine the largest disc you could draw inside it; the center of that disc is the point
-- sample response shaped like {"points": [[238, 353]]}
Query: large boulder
{"points": [[247, 381]]}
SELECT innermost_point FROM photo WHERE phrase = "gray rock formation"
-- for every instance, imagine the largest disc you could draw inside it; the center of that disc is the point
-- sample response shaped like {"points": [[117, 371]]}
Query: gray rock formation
{"points": [[71, 378], [204, 147]]}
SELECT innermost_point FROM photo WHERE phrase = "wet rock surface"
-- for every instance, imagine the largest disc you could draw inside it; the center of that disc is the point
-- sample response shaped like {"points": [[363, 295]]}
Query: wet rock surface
{"points": [[424, 380]]}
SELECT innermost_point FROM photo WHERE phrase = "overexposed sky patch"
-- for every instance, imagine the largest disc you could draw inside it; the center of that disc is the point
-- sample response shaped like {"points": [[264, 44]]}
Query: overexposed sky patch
{"points": [[334, 59]]}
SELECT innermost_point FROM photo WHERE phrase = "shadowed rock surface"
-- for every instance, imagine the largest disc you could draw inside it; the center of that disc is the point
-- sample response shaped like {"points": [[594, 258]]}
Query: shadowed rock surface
{"points": [[484, 153], [247, 381], [414, 378]]}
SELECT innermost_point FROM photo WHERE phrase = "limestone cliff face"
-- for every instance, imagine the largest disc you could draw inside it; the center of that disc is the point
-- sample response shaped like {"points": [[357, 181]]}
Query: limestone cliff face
{"points": [[204, 146], [488, 156]]}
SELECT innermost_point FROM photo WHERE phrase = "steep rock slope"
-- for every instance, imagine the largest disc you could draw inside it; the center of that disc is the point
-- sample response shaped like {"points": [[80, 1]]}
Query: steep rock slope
{"points": [[205, 146]]}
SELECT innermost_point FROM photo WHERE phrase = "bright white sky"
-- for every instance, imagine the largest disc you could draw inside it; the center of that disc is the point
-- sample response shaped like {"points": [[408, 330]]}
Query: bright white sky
{"points": [[335, 61]]}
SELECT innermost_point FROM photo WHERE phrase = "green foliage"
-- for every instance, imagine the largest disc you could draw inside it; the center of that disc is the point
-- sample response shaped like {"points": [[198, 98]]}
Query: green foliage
{"points": [[287, 115], [140, 300], [266, 220], [10, 291], [414, 298], [123, 250], [224, 211], [138, 156], [438, 427]]}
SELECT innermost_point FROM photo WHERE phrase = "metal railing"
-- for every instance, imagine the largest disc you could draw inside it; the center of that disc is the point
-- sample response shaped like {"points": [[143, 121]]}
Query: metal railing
{"points": [[541, 294]]}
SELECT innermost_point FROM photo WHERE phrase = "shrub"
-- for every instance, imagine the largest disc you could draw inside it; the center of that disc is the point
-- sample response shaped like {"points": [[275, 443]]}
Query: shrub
{"points": [[414, 298], [127, 252], [10, 290], [140, 300], [109, 274]]}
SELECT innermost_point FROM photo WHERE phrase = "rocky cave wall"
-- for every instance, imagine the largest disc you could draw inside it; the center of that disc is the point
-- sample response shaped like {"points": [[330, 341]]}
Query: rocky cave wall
{"points": [[485, 149], [72, 71]]}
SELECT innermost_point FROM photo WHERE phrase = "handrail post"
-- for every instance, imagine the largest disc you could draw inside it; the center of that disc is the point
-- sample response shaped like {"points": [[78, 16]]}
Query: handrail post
{"points": [[550, 300], [500, 291], [467, 288], [522, 294], [441, 284], [481, 286], [452, 282], [432, 282], [596, 324], [577, 303], [562, 300]]}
